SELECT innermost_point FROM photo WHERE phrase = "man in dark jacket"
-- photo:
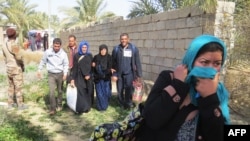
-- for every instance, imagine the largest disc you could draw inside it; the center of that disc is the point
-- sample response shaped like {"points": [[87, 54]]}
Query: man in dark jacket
{"points": [[126, 68]]}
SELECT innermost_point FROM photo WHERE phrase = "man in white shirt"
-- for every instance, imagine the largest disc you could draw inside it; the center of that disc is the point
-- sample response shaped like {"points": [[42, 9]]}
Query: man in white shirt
{"points": [[57, 64]]}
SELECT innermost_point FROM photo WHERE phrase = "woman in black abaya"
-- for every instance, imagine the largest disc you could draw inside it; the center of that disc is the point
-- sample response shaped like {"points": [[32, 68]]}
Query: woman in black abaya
{"points": [[81, 78], [102, 74]]}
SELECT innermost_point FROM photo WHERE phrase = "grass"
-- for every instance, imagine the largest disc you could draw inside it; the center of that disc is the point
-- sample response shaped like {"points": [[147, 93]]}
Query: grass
{"points": [[19, 129], [3, 78]]}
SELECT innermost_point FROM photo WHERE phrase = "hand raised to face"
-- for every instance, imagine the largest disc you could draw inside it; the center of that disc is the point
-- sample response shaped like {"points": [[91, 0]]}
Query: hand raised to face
{"points": [[207, 86], [180, 72]]}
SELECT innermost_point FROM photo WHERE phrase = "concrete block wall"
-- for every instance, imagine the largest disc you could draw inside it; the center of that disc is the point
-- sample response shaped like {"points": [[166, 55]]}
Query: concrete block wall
{"points": [[162, 38]]}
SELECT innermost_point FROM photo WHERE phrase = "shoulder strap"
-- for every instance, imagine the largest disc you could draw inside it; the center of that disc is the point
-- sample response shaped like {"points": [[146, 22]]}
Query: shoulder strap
{"points": [[133, 49], [9, 49], [80, 58], [116, 50]]}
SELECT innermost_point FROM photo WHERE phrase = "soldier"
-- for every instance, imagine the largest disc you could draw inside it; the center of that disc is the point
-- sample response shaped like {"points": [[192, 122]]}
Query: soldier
{"points": [[15, 68]]}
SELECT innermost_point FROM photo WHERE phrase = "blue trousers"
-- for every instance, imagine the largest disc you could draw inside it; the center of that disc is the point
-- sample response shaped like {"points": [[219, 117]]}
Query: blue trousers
{"points": [[103, 94], [125, 89]]}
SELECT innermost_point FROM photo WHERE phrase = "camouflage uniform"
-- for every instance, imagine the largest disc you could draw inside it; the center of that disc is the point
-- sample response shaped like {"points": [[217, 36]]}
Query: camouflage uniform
{"points": [[14, 67]]}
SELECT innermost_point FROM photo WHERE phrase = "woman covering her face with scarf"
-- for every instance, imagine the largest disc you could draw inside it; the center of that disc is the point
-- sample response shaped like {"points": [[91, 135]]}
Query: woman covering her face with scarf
{"points": [[189, 103], [81, 78]]}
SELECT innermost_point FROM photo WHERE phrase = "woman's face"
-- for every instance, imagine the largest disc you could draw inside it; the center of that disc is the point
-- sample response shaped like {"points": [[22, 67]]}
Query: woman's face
{"points": [[103, 51], [84, 49], [209, 59]]}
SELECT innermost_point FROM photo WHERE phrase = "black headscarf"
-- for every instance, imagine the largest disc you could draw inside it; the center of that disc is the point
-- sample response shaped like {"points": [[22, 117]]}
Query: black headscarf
{"points": [[102, 59]]}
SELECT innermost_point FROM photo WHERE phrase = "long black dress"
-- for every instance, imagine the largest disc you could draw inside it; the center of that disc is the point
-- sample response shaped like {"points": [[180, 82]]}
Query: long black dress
{"points": [[102, 75], [82, 68]]}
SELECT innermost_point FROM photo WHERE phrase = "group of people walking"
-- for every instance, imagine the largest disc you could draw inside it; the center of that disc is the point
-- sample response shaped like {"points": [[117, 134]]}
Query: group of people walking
{"points": [[187, 103], [76, 65]]}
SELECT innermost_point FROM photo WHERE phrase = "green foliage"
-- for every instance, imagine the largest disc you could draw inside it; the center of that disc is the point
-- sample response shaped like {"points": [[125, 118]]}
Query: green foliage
{"points": [[242, 20], [85, 12], [19, 129], [143, 7], [147, 7], [20, 14], [36, 91], [30, 68], [3, 78], [206, 5]]}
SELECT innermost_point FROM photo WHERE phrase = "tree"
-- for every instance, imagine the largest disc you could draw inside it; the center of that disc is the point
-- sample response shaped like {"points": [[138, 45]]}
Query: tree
{"points": [[54, 21], [85, 12], [242, 20], [20, 14], [146, 7], [206, 5], [143, 7]]}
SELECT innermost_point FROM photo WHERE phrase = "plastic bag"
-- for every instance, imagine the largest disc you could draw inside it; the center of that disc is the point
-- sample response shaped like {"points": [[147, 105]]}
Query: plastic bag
{"points": [[71, 94]]}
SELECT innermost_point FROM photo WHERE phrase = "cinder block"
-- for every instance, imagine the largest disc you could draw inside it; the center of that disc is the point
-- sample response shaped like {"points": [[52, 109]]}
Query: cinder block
{"points": [[168, 62], [183, 33], [169, 43], [149, 44], [181, 23], [151, 59], [194, 21], [159, 61], [179, 44], [174, 14], [160, 25], [171, 24], [145, 59], [160, 16], [162, 34], [172, 34], [184, 12], [144, 35], [159, 44], [193, 32]]}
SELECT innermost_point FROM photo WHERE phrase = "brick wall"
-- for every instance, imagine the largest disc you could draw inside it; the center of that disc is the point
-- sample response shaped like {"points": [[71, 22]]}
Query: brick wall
{"points": [[162, 38]]}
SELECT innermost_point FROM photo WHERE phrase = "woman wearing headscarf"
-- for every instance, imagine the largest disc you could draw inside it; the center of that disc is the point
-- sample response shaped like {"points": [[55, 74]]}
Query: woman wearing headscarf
{"points": [[102, 73], [81, 78], [189, 103]]}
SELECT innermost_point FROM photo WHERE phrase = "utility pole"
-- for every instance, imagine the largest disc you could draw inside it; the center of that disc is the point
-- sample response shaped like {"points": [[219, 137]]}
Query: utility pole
{"points": [[49, 12]]}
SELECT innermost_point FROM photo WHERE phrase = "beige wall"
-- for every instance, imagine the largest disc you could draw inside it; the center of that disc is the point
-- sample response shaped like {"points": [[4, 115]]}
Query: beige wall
{"points": [[162, 38]]}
